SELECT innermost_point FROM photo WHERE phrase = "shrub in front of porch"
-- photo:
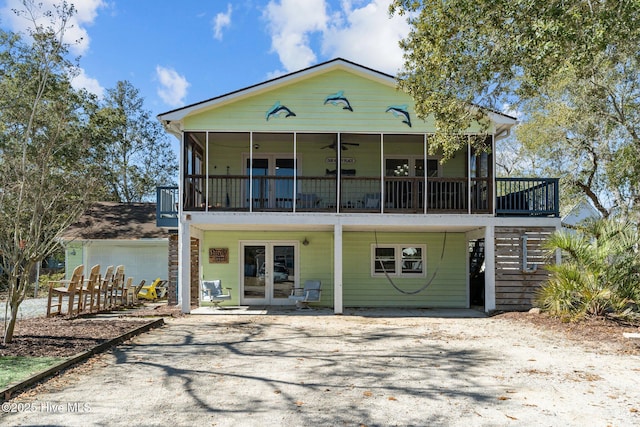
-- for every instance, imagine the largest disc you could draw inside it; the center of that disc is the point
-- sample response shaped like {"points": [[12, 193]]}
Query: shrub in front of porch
{"points": [[599, 274]]}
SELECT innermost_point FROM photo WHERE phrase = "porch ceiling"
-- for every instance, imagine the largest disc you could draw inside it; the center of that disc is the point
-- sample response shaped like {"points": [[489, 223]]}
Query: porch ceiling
{"points": [[351, 222]]}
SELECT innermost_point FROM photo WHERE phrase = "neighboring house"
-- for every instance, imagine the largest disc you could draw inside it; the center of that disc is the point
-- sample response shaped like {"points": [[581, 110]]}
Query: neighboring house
{"points": [[581, 211], [326, 174], [111, 233]]}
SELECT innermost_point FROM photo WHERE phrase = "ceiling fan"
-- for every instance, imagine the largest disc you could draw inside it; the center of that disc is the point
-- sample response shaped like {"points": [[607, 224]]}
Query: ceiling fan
{"points": [[343, 145]]}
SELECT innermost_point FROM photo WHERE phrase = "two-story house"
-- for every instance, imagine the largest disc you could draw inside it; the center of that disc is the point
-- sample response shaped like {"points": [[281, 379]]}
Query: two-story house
{"points": [[326, 174]]}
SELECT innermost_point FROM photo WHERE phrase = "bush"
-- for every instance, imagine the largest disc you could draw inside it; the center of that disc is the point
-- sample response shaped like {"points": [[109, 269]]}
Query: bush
{"points": [[46, 278], [599, 274]]}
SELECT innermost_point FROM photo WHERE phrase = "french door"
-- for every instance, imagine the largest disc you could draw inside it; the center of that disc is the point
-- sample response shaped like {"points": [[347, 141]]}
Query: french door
{"points": [[272, 184], [269, 272]]}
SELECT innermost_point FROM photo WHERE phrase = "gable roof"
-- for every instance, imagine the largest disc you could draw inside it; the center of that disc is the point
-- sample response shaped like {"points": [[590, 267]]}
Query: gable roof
{"points": [[337, 63], [116, 221], [579, 212]]}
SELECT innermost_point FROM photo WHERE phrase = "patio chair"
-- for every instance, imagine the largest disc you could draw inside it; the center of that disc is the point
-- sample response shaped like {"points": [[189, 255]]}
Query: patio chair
{"points": [[307, 201], [150, 292], [372, 201], [128, 293], [105, 299], [117, 288], [162, 289], [310, 293], [66, 288], [91, 290], [213, 292], [136, 291]]}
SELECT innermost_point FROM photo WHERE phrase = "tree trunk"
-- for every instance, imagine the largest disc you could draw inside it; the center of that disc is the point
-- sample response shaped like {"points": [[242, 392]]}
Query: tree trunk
{"points": [[16, 296], [11, 324]]}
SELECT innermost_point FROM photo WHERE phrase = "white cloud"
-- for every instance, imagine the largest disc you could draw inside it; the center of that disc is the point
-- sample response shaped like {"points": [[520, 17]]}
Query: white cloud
{"points": [[361, 31], [275, 74], [290, 23], [221, 21], [173, 86], [75, 34], [82, 81], [368, 36]]}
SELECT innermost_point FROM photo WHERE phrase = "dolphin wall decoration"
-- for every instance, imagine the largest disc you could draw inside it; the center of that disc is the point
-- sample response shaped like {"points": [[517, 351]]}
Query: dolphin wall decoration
{"points": [[400, 111], [338, 98], [277, 109]]}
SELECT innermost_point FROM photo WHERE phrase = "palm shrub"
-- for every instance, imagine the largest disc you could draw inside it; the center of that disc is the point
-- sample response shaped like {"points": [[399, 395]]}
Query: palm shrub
{"points": [[599, 274]]}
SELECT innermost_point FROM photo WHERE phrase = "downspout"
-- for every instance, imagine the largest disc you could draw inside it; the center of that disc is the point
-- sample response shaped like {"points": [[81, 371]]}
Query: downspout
{"points": [[502, 135]]}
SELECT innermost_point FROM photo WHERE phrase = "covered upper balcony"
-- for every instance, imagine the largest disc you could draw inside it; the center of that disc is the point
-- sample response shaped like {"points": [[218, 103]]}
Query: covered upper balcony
{"points": [[378, 173]]}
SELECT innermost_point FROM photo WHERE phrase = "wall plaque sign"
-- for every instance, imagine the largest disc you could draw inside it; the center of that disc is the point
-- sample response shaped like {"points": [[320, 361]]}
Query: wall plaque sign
{"points": [[345, 160], [218, 255]]}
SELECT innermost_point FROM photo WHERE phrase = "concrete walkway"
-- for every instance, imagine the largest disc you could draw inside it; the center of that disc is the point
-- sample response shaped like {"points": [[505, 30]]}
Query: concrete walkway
{"points": [[320, 369], [368, 312]]}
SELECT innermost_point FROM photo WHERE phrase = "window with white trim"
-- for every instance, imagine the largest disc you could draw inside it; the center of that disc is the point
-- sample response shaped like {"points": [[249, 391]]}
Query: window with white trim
{"points": [[398, 260]]}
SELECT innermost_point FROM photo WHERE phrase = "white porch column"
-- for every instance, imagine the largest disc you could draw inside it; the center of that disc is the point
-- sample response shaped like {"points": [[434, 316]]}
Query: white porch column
{"points": [[489, 268], [337, 269], [184, 263]]}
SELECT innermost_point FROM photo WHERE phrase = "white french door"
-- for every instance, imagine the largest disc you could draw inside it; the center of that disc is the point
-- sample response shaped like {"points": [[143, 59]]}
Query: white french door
{"points": [[272, 181], [269, 272]]}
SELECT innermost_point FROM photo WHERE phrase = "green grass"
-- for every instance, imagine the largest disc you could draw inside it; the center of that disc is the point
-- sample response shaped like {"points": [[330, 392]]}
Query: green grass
{"points": [[17, 368]]}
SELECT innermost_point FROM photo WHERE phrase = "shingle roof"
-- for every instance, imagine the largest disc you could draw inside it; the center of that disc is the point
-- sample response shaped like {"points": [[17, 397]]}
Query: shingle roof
{"points": [[119, 221]]}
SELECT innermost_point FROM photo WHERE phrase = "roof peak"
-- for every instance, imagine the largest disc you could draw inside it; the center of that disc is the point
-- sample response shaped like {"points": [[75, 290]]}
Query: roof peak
{"points": [[174, 114]]}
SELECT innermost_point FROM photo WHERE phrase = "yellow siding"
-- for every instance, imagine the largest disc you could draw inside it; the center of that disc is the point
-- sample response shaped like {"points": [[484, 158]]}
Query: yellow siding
{"points": [[448, 288], [369, 100], [316, 261], [73, 258]]}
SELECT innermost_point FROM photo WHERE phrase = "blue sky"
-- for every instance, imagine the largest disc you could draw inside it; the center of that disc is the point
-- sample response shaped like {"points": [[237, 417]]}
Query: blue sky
{"points": [[181, 52]]}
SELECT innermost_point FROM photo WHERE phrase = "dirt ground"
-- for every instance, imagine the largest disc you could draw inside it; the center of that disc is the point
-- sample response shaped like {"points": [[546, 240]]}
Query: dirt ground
{"points": [[64, 337], [363, 369], [60, 337]]}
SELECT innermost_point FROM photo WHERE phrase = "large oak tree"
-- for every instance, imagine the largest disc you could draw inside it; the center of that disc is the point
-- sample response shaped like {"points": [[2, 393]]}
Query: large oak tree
{"points": [[570, 66]]}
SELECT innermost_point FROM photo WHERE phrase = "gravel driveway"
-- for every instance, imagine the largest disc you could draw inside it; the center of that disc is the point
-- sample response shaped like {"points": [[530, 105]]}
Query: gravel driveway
{"points": [[361, 368], [33, 307]]}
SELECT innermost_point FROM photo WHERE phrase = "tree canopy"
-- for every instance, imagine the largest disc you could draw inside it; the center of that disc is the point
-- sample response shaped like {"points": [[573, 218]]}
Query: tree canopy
{"points": [[569, 66], [491, 52], [45, 179], [587, 132], [131, 146], [61, 149]]}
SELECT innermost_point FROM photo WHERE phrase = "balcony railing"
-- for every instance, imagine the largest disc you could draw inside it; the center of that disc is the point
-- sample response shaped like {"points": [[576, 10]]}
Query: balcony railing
{"points": [[515, 196], [528, 196], [318, 194], [167, 206]]}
